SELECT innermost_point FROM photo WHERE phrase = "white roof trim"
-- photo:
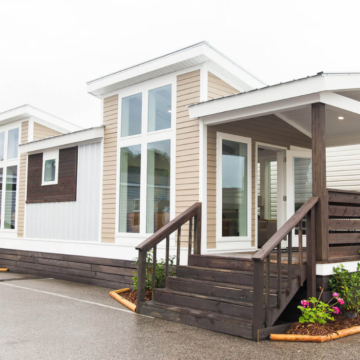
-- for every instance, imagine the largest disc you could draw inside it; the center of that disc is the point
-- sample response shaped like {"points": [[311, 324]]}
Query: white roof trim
{"points": [[75, 138], [26, 111], [323, 83], [191, 56]]}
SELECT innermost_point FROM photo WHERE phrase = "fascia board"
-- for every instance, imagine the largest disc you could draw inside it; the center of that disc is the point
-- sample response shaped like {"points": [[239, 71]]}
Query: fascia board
{"points": [[96, 87], [258, 97], [93, 134]]}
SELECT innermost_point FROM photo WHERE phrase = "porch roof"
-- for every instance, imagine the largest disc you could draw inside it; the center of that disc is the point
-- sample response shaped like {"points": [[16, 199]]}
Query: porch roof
{"points": [[292, 101]]}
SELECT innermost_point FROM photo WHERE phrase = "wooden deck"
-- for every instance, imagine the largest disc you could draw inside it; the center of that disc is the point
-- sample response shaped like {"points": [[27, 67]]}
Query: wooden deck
{"points": [[273, 256]]}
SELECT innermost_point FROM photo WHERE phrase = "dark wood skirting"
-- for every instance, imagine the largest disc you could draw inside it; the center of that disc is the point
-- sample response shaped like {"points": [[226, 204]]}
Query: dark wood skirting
{"points": [[65, 190], [111, 273]]}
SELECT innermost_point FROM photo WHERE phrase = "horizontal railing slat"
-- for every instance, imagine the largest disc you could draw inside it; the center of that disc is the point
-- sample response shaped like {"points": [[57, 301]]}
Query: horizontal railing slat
{"points": [[285, 229], [344, 224], [344, 238], [344, 211]]}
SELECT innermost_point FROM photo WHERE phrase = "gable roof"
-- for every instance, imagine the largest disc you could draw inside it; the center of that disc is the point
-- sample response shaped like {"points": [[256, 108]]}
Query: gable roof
{"points": [[42, 117], [190, 56]]}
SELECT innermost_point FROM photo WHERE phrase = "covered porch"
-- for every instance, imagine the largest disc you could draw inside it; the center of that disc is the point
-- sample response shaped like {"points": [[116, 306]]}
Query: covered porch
{"points": [[298, 121]]}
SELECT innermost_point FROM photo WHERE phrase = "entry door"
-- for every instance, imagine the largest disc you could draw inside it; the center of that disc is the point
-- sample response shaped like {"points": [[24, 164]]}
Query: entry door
{"points": [[299, 185]]}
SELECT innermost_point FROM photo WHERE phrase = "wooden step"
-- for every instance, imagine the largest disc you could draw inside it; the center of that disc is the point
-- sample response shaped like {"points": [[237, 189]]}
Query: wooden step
{"points": [[208, 320], [234, 263], [216, 289], [222, 275], [241, 309]]}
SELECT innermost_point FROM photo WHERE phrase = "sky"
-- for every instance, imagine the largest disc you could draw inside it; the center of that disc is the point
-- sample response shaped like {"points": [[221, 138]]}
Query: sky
{"points": [[49, 49]]}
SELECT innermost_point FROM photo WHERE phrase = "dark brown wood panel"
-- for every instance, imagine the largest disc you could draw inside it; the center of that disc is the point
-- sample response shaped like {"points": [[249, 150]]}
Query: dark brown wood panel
{"points": [[344, 224], [65, 190], [342, 252], [344, 211], [83, 269], [344, 238], [344, 197]]}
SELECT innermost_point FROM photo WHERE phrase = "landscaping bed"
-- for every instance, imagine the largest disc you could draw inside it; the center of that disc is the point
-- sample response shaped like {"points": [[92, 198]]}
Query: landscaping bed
{"points": [[340, 323], [132, 296]]}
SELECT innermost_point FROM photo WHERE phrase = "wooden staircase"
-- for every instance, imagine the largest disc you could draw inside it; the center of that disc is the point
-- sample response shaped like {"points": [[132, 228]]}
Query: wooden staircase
{"points": [[237, 296], [216, 293]]}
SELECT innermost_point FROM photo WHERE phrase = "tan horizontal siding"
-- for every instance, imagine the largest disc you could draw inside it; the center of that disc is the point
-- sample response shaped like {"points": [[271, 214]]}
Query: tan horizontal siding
{"points": [[187, 146], [218, 88], [22, 181], [42, 132], [267, 129], [110, 120]]}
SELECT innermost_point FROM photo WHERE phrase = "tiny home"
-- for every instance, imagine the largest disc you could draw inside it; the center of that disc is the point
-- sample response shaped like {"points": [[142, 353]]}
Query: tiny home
{"points": [[195, 157]]}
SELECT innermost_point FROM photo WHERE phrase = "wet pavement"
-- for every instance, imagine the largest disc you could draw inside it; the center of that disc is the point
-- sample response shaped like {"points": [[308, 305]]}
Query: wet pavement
{"points": [[42, 318]]}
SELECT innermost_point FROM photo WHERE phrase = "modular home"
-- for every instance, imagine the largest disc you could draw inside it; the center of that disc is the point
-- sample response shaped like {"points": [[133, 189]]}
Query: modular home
{"points": [[195, 158]]}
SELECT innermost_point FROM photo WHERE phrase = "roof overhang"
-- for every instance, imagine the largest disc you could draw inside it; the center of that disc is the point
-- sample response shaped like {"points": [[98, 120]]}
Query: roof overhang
{"points": [[27, 111], [80, 137], [291, 102], [179, 60]]}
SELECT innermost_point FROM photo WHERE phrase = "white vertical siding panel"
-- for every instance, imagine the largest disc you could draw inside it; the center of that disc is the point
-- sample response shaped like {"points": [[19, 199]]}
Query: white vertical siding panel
{"points": [[78, 220]]}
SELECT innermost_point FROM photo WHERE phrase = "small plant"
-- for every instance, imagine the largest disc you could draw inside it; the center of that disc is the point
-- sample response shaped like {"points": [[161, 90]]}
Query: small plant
{"points": [[347, 285], [160, 271], [316, 311]]}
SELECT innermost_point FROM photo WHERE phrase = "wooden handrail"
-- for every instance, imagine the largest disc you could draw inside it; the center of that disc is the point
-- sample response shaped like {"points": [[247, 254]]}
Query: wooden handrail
{"points": [[285, 229], [169, 228], [262, 260], [191, 215]]}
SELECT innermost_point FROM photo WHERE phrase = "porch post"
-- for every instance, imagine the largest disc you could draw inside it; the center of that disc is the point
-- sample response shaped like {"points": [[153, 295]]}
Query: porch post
{"points": [[319, 180]]}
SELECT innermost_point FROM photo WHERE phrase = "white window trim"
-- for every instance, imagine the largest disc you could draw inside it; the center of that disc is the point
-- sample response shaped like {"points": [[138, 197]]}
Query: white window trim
{"points": [[220, 240], [143, 139], [4, 164], [50, 155]]}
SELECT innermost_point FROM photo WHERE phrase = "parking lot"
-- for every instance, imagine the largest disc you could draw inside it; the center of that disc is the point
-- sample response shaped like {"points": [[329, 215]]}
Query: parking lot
{"points": [[42, 318]]}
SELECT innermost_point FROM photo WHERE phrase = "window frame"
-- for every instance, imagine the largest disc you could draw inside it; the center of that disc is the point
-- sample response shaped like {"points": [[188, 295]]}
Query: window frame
{"points": [[50, 155], [248, 141], [143, 139], [4, 164]]}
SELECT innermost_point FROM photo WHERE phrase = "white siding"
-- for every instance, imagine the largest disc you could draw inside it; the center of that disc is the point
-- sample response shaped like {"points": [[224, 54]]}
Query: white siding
{"points": [[78, 220], [343, 167]]}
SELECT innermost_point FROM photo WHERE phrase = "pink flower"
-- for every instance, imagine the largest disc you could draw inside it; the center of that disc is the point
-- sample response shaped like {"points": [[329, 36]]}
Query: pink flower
{"points": [[341, 301], [304, 303], [336, 310], [335, 295]]}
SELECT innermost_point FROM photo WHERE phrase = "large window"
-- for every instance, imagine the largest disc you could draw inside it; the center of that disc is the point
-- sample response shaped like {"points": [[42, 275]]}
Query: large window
{"points": [[9, 158], [10, 197], [158, 185], [234, 187], [130, 173], [145, 177]]}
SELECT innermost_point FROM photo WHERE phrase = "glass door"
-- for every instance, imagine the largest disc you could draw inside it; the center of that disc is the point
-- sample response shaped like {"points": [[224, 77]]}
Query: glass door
{"points": [[299, 185]]}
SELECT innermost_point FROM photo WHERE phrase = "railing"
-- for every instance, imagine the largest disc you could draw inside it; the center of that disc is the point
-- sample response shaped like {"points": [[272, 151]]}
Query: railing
{"points": [[308, 210], [191, 215]]}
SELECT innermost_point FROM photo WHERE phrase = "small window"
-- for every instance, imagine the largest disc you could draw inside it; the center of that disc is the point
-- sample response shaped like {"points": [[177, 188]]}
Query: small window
{"points": [[49, 171], [159, 114], [50, 168], [13, 142], [131, 107], [2, 145]]}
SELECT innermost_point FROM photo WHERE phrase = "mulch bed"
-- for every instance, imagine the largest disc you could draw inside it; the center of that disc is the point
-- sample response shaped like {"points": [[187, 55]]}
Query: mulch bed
{"points": [[340, 323], [132, 296]]}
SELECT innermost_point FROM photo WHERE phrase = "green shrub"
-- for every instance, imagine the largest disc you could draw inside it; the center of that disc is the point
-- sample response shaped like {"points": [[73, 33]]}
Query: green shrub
{"points": [[347, 285], [160, 271]]}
